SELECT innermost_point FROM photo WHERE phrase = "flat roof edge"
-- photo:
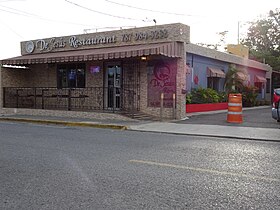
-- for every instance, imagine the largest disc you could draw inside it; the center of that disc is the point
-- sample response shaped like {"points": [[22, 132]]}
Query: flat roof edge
{"points": [[222, 56]]}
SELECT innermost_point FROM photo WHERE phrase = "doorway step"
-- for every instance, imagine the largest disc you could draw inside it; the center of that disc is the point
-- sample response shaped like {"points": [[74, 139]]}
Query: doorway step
{"points": [[140, 116]]}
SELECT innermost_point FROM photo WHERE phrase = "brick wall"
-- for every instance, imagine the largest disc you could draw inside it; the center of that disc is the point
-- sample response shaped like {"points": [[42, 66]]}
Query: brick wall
{"points": [[14, 77], [95, 79], [39, 75], [43, 75], [180, 88], [180, 100]]}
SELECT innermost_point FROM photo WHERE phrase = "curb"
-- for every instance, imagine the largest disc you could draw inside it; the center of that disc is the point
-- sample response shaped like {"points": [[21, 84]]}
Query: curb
{"points": [[57, 122], [209, 135], [123, 127]]}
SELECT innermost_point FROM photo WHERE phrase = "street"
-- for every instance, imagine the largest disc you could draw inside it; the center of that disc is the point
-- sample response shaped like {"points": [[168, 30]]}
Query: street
{"points": [[57, 167]]}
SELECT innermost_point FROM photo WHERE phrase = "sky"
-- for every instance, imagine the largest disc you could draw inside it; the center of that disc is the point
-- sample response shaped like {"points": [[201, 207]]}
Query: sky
{"points": [[23, 20]]}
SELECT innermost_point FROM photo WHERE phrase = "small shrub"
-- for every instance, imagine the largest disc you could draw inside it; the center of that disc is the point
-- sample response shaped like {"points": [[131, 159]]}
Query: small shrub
{"points": [[203, 96], [189, 98], [223, 97], [249, 96]]}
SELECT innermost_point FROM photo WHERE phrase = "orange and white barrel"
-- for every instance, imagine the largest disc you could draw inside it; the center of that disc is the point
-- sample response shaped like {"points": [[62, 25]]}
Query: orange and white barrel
{"points": [[235, 108]]}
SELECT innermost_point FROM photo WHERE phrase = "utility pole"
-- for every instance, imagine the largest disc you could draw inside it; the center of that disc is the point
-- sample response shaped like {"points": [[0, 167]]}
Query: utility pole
{"points": [[238, 25]]}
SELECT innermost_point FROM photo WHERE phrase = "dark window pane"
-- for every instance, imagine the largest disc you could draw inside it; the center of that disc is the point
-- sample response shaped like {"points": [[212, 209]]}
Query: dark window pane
{"points": [[71, 76], [80, 78], [81, 66], [213, 82], [61, 78]]}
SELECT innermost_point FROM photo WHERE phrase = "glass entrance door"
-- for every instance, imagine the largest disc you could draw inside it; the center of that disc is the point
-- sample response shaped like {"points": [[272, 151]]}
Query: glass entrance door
{"points": [[113, 83]]}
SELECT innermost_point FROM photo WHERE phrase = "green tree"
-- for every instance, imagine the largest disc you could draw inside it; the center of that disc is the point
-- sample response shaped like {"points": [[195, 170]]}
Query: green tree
{"points": [[263, 39], [233, 83]]}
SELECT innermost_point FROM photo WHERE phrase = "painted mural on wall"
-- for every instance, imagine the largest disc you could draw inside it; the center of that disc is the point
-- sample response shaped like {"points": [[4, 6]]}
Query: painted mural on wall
{"points": [[161, 79]]}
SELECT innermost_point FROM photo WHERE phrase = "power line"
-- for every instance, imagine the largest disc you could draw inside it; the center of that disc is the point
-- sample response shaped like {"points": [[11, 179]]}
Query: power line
{"points": [[107, 28], [149, 10], [10, 0], [102, 13], [15, 13], [20, 11], [12, 30], [30, 15]]}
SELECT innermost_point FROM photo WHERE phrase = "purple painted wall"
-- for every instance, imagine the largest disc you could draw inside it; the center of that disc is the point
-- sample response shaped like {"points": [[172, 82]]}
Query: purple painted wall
{"points": [[251, 80], [198, 75]]}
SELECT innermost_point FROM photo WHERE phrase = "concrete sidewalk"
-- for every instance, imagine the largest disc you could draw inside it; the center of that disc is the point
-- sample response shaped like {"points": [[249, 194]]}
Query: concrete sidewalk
{"points": [[200, 128], [250, 133]]}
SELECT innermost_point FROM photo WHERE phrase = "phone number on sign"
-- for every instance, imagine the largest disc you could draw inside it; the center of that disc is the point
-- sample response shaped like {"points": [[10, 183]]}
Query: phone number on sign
{"points": [[157, 34]]}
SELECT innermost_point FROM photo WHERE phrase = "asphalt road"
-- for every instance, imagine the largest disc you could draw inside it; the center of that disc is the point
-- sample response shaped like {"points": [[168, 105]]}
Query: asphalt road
{"points": [[259, 118], [55, 167]]}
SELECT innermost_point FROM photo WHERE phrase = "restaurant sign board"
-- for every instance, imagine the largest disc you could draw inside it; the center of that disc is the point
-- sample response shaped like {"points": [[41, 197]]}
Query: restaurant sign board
{"points": [[153, 34]]}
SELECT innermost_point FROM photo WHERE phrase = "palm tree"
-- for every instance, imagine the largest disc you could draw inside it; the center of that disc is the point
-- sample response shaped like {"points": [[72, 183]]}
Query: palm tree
{"points": [[233, 83]]}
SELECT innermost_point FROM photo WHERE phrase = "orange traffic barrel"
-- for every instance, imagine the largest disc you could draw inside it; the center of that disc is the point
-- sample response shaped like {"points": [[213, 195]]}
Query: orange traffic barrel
{"points": [[235, 108]]}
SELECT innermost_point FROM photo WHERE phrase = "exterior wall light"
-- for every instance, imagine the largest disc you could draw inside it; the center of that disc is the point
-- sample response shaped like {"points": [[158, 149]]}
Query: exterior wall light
{"points": [[143, 58]]}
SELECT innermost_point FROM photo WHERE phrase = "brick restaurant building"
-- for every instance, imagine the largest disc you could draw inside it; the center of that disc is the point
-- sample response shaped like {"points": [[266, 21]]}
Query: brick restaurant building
{"points": [[139, 70], [118, 71]]}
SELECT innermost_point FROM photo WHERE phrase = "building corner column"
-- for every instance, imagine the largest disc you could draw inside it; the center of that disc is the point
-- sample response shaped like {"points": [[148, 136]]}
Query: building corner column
{"points": [[181, 85]]}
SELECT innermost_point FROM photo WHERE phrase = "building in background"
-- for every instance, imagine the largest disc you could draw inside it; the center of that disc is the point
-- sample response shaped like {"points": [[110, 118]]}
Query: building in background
{"points": [[208, 68], [238, 49], [141, 70]]}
